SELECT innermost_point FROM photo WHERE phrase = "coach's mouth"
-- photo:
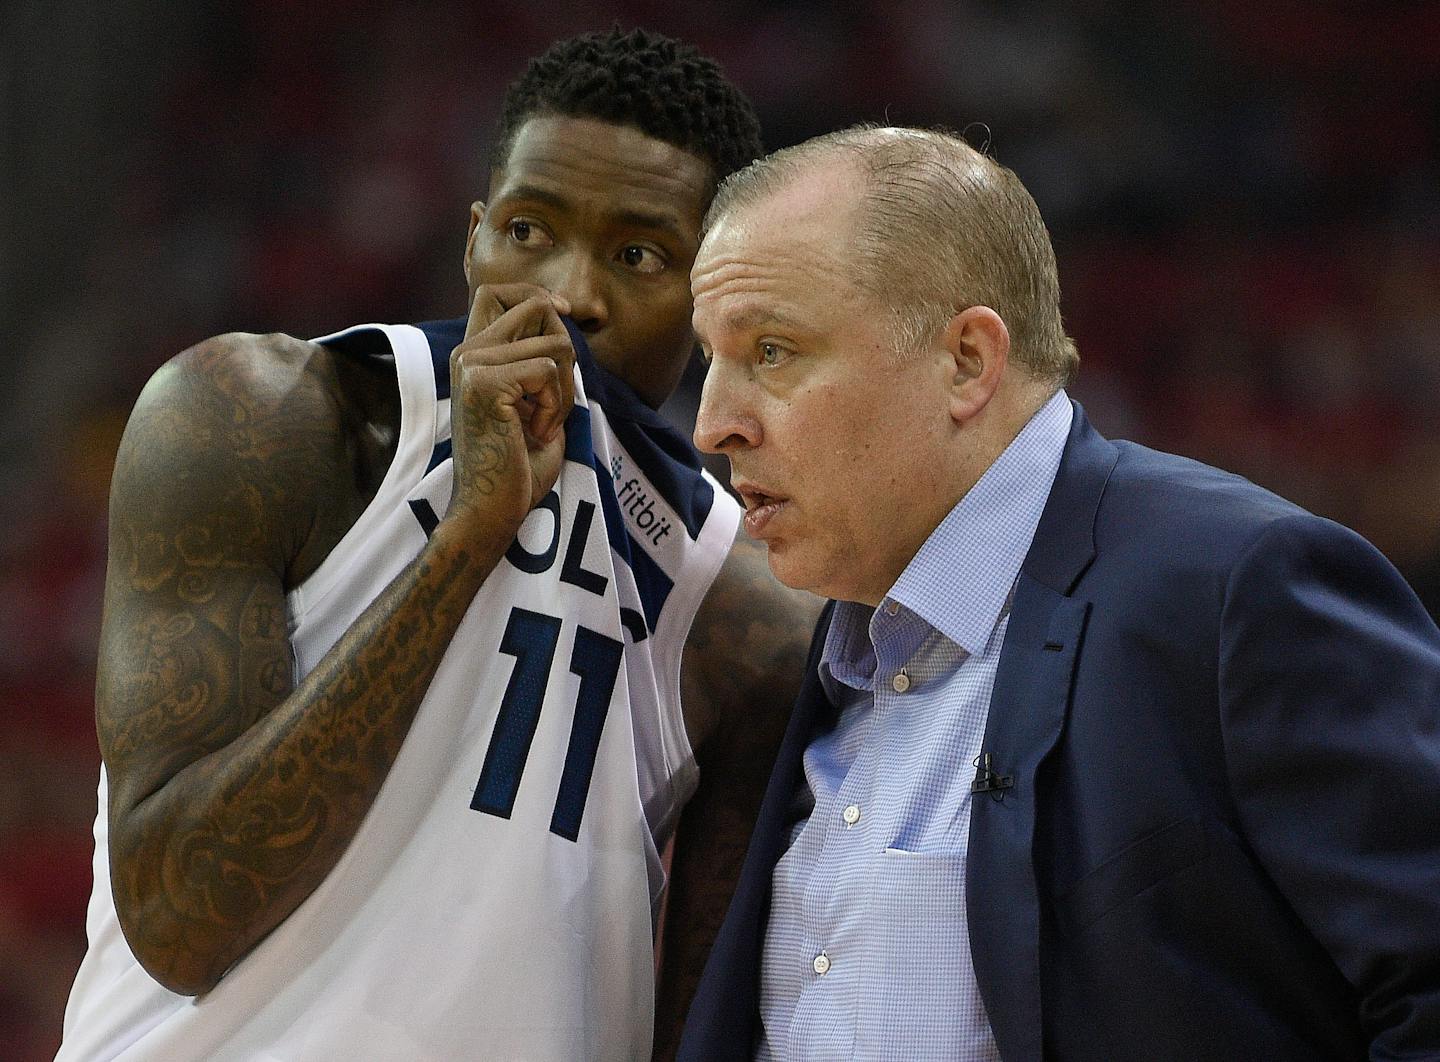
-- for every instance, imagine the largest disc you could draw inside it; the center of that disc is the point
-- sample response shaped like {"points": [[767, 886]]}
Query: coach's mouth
{"points": [[761, 507]]}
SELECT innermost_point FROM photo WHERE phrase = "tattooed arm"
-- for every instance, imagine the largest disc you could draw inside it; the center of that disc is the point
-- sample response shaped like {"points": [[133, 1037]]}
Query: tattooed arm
{"points": [[743, 666], [233, 794]]}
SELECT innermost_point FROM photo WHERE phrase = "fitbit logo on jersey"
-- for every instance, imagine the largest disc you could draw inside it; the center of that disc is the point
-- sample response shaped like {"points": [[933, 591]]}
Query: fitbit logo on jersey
{"points": [[638, 504]]}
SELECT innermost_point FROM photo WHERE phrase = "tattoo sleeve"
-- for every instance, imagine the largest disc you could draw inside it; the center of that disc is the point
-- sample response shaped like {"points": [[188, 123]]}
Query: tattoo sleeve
{"points": [[232, 792]]}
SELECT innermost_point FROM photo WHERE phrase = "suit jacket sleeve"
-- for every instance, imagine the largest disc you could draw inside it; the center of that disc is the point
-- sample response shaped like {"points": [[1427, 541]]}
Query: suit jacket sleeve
{"points": [[1330, 699]]}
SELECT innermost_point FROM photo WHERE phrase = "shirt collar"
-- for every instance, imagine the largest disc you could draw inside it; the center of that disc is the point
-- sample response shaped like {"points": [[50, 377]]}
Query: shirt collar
{"points": [[961, 578]]}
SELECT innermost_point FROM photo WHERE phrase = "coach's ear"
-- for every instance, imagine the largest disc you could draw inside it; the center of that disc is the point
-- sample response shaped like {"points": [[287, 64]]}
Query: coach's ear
{"points": [[477, 215], [978, 341]]}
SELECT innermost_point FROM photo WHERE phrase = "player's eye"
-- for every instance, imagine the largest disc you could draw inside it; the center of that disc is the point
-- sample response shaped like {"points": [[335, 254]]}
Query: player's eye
{"points": [[642, 259], [527, 232]]}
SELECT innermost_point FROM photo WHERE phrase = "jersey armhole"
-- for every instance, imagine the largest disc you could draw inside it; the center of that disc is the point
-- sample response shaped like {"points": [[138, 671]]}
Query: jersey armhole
{"points": [[414, 375]]}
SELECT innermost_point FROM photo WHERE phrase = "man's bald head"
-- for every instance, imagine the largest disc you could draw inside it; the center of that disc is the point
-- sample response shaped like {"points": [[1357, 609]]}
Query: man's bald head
{"points": [[939, 227]]}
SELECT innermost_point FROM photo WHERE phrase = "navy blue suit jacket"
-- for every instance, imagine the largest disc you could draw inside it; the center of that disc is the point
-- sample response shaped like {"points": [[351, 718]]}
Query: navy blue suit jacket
{"points": [[1222, 717]]}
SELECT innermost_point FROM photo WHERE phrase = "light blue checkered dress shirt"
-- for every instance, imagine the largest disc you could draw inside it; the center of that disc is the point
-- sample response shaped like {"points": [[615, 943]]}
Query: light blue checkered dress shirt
{"points": [[867, 954]]}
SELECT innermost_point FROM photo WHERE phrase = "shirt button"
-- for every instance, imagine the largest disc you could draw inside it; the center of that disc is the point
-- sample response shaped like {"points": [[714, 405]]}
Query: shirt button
{"points": [[892, 607], [851, 815], [900, 683], [821, 965]]}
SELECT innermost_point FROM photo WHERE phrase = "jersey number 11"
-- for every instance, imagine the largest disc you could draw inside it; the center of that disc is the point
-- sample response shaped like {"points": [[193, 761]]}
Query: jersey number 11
{"points": [[531, 637]]}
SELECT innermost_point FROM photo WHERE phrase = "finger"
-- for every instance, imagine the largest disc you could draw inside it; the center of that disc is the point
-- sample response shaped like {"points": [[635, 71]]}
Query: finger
{"points": [[536, 316], [468, 356], [566, 362], [530, 317], [491, 301], [485, 309], [504, 317], [550, 391], [557, 348], [513, 294], [531, 384], [552, 408], [531, 389]]}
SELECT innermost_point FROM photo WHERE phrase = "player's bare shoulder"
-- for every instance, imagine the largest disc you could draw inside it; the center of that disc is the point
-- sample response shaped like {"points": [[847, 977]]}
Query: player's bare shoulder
{"points": [[261, 439]]}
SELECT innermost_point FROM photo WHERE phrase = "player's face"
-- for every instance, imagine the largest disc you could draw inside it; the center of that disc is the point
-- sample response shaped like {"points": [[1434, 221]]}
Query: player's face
{"points": [[609, 218], [835, 440]]}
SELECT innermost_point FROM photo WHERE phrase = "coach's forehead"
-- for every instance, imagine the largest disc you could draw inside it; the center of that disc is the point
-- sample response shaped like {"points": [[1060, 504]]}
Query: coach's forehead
{"points": [[812, 213]]}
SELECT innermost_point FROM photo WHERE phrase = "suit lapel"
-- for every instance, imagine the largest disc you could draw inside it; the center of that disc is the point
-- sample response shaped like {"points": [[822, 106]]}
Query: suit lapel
{"points": [[1027, 715]]}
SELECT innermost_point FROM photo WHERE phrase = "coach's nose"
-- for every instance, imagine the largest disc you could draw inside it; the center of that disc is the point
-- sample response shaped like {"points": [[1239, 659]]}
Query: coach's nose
{"points": [[726, 421]]}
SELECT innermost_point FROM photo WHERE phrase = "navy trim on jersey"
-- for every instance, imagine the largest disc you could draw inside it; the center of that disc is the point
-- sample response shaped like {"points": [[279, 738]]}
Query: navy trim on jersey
{"points": [[438, 456], [372, 342], [443, 337], [650, 579], [665, 456], [652, 583], [660, 452]]}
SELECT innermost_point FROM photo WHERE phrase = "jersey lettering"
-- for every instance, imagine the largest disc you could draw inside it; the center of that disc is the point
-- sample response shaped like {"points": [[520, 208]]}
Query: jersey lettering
{"points": [[535, 563], [572, 571]]}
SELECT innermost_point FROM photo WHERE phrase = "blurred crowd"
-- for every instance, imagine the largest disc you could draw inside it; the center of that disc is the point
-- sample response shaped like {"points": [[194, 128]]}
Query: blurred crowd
{"points": [[1245, 199]]}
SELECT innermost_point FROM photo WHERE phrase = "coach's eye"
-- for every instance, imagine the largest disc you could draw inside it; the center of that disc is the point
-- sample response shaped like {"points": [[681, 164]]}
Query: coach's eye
{"points": [[772, 353]]}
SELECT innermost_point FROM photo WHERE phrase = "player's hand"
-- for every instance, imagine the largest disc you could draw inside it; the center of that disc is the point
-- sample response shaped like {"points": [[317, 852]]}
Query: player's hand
{"points": [[512, 385]]}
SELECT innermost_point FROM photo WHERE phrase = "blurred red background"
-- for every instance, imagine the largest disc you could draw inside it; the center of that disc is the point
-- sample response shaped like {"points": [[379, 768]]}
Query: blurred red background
{"points": [[1245, 200]]}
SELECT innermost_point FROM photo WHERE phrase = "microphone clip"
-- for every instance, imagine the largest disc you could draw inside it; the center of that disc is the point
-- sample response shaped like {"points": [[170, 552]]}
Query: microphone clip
{"points": [[987, 781]]}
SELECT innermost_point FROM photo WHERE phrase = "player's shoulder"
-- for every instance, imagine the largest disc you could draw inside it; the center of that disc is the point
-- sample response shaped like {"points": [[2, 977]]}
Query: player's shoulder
{"points": [[249, 375], [233, 417], [250, 440], [241, 394]]}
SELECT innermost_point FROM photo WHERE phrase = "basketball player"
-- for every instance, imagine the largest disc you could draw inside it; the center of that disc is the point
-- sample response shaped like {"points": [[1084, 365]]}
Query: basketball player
{"points": [[389, 684]]}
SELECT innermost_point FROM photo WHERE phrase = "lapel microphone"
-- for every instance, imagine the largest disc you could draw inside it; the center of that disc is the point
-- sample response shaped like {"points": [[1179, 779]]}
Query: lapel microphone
{"points": [[987, 781]]}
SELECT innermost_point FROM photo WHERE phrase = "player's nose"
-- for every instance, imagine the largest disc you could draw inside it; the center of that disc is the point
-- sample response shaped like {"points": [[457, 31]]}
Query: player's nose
{"points": [[581, 280]]}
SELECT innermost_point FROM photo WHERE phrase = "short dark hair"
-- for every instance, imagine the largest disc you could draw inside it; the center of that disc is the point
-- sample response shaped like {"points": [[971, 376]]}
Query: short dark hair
{"points": [[663, 88]]}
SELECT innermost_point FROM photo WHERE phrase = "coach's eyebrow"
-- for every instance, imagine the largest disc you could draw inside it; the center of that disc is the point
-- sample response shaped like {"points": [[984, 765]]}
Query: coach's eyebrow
{"points": [[745, 318]]}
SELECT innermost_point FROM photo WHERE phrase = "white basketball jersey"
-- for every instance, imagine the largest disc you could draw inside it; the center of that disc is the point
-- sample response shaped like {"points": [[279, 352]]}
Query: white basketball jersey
{"points": [[498, 899]]}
